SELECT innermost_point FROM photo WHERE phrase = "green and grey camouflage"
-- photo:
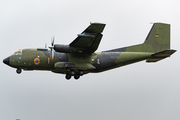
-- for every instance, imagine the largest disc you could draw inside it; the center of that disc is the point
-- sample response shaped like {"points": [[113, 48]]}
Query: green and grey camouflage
{"points": [[79, 57]]}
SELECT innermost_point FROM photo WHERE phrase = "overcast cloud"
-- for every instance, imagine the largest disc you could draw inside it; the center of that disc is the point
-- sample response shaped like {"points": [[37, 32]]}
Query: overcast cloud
{"points": [[141, 91]]}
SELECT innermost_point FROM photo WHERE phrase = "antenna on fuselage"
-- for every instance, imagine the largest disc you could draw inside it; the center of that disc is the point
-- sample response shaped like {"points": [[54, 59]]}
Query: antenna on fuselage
{"points": [[46, 45]]}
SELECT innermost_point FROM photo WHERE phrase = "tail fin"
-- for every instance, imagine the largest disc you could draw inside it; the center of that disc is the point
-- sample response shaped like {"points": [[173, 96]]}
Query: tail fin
{"points": [[159, 37], [157, 40], [157, 43]]}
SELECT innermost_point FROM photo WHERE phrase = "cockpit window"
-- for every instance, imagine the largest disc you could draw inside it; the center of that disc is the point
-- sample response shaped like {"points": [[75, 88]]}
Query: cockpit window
{"points": [[19, 52]]}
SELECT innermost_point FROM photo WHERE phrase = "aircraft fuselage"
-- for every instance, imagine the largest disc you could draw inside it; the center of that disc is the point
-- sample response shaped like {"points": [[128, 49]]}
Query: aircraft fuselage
{"points": [[34, 59]]}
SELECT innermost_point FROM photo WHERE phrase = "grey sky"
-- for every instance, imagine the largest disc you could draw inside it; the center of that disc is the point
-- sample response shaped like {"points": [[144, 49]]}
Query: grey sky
{"points": [[141, 91]]}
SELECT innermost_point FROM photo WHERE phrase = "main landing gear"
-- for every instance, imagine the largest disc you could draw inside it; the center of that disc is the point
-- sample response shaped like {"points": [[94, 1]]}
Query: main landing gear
{"points": [[68, 76], [73, 73], [18, 70]]}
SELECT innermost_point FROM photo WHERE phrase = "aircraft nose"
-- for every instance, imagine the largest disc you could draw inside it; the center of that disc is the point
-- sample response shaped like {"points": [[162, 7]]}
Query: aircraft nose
{"points": [[6, 61]]}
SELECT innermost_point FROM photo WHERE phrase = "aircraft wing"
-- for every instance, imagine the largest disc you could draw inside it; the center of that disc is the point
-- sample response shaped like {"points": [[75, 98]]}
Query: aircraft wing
{"points": [[88, 41]]}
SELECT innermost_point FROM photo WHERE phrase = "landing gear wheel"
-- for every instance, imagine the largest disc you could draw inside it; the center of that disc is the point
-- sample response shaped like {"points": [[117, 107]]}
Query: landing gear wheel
{"points": [[18, 70], [68, 76], [76, 76]]}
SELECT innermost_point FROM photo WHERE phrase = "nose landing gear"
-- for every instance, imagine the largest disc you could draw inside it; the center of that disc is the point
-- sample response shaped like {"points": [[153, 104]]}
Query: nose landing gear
{"points": [[18, 70]]}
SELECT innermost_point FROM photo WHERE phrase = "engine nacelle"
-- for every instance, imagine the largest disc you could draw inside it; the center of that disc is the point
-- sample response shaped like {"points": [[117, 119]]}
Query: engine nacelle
{"points": [[63, 48]]}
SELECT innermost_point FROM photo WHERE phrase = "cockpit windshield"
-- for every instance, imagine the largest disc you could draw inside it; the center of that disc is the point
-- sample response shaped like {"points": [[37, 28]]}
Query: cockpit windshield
{"points": [[19, 52]]}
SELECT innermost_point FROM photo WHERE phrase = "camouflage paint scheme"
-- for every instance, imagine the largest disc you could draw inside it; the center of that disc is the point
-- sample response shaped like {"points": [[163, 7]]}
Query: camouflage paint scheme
{"points": [[79, 57]]}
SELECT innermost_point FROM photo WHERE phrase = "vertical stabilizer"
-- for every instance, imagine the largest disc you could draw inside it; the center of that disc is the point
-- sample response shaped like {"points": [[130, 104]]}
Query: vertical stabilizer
{"points": [[159, 37]]}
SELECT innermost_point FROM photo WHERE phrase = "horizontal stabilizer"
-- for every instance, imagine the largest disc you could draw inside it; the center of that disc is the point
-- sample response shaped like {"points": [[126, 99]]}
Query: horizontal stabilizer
{"points": [[160, 55]]}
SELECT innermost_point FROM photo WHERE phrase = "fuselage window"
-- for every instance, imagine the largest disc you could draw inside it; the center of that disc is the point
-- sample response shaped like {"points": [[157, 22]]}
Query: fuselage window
{"points": [[20, 53]]}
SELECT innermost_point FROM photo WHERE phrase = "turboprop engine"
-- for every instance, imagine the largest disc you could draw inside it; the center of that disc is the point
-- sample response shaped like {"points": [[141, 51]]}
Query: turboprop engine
{"points": [[63, 48]]}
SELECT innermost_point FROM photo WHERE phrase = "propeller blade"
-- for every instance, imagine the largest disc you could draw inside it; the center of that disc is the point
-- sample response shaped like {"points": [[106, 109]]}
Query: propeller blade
{"points": [[52, 41], [52, 48], [52, 53]]}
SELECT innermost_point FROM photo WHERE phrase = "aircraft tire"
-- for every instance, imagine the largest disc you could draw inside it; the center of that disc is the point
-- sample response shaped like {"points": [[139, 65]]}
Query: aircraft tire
{"points": [[18, 70], [68, 76], [76, 76]]}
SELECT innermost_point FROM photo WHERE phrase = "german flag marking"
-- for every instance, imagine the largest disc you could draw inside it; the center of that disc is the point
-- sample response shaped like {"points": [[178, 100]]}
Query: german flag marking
{"points": [[156, 35]]}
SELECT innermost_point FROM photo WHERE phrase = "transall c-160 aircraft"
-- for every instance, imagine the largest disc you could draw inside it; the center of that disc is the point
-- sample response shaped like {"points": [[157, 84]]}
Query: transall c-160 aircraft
{"points": [[79, 57]]}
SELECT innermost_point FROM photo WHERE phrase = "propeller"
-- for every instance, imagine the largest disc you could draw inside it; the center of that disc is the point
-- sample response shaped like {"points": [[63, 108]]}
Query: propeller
{"points": [[52, 48]]}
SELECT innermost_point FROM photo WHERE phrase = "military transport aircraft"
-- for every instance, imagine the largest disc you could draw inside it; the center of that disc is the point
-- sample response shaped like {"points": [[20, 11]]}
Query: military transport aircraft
{"points": [[79, 57]]}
